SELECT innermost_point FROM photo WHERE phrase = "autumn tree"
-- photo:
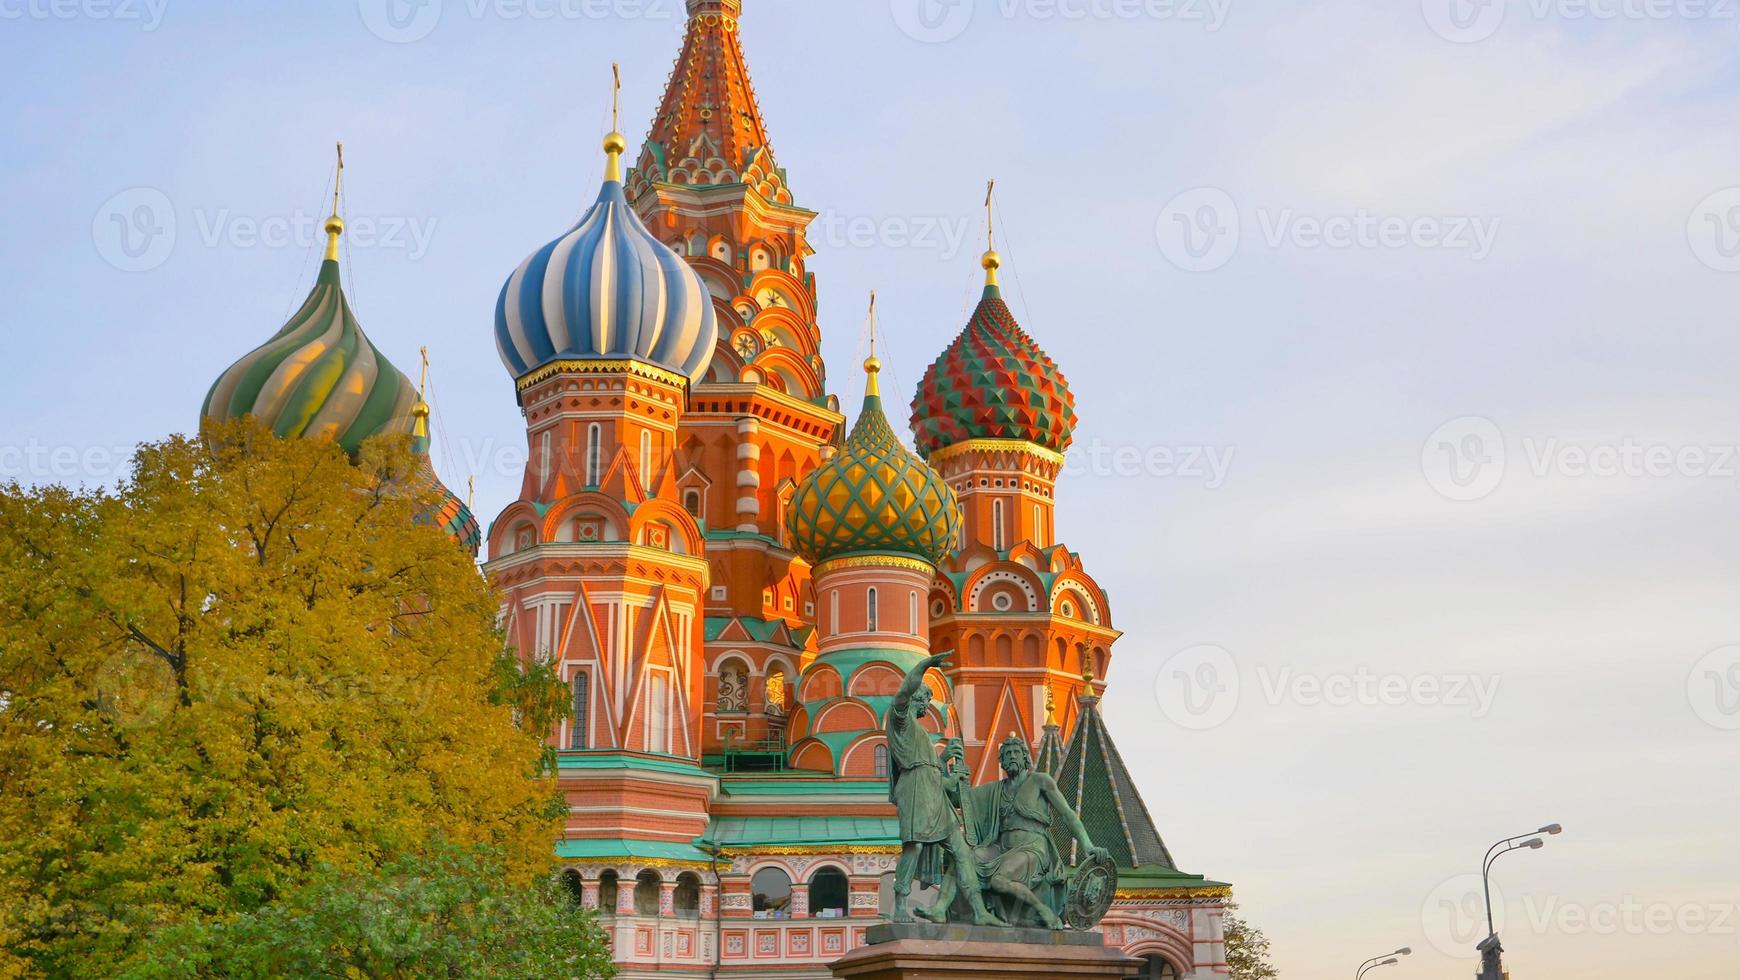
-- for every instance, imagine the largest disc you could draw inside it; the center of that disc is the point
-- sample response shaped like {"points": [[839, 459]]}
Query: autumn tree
{"points": [[246, 668], [1247, 949], [447, 914]]}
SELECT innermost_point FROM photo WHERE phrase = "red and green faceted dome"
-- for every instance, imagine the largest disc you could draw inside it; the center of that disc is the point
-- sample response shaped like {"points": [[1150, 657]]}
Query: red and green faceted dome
{"points": [[993, 382]]}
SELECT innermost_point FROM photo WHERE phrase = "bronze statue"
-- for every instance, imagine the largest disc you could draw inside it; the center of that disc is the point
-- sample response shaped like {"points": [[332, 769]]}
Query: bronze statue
{"points": [[1011, 822], [928, 824]]}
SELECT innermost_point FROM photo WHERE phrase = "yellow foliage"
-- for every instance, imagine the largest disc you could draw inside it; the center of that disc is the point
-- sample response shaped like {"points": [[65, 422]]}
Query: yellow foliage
{"points": [[247, 663]]}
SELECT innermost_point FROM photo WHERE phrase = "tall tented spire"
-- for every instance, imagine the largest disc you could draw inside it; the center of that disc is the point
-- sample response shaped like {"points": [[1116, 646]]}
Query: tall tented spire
{"points": [[1098, 786], [709, 130]]}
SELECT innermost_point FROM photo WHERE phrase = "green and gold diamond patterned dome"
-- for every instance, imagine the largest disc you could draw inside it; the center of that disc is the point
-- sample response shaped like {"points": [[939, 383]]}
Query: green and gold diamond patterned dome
{"points": [[874, 497]]}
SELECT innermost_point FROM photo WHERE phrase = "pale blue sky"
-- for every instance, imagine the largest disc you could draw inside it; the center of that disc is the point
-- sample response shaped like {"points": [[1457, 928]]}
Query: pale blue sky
{"points": [[1596, 314]]}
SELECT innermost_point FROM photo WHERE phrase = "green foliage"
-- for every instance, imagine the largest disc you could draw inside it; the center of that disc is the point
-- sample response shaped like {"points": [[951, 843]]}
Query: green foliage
{"points": [[1247, 949], [450, 914], [247, 667]]}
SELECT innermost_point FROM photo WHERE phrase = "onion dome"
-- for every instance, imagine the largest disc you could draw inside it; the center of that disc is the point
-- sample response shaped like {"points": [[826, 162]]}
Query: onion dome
{"points": [[873, 497], [993, 382], [606, 290], [451, 515], [319, 376]]}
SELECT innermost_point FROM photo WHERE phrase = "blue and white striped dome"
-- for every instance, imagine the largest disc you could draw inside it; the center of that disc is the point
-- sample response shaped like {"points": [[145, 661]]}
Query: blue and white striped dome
{"points": [[606, 290]]}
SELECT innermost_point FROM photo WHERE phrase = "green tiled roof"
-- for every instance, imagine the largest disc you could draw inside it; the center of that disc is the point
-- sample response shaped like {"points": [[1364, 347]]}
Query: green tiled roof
{"points": [[751, 832], [759, 630], [1050, 757], [1095, 781], [581, 761], [629, 850]]}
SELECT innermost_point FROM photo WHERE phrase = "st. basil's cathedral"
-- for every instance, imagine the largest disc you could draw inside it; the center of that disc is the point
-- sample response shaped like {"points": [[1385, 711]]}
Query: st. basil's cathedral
{"points": [[732, 581]]}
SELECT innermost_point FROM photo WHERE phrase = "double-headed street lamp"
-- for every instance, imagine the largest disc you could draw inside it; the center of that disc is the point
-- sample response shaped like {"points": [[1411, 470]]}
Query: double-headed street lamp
{"points": [[1382, 959], [1491, 967]]}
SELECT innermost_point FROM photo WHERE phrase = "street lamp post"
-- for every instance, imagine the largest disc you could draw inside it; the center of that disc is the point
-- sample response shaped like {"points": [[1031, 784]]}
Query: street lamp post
{"points": [[1382, 959], [1491, 952]]}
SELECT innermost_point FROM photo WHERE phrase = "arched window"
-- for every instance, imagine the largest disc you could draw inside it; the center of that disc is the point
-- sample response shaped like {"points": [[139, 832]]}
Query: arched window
{"points": [[834, 609], [776, 690], [646, 457], [544, 456], [912, 613], [578, 725], [1157, 968], [571, 884], [880, 758], [692, 502], [733, 687], [770, 894], [646, 893], [687, 900], [594, 453], [607, 893], [1038, 526], [997, 525], [828, 891], [658, 714], [870, 610]]}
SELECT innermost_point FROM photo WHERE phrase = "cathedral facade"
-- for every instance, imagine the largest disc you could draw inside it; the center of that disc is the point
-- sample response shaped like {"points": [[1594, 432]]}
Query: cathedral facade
{"points": [[732, 577]]}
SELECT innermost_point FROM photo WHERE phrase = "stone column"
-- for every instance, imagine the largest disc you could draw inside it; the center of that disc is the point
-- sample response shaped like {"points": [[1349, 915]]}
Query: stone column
{"points": [[800, 901], [589, 894], [624, 895], [667, 898]]}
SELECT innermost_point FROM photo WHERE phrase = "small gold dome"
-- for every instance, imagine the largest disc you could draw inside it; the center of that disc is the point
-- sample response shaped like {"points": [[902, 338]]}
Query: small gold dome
{"points": [[615, 143]]}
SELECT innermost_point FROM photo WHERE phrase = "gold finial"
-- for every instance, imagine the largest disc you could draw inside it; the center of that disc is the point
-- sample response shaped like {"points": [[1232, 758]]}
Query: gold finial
{"points": [[614, 142], [1050, 708], [991, 261], [872, 364], [470, 491], [335, 224], [1087, 676], [420, 411]]}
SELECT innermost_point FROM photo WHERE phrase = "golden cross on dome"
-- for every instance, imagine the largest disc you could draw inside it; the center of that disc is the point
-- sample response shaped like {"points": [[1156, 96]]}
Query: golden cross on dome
{"points": [[335, 224], [991, 260], [423, 383], [614, 142], [871, 364]]}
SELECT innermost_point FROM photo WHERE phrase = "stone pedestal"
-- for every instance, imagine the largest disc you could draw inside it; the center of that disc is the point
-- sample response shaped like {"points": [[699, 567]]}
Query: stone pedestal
{"points": [[923, 951]]}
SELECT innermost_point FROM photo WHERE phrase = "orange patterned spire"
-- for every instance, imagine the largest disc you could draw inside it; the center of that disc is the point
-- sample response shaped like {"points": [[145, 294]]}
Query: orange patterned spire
{"points": [[708, 129]]}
